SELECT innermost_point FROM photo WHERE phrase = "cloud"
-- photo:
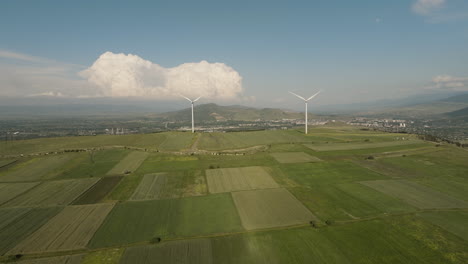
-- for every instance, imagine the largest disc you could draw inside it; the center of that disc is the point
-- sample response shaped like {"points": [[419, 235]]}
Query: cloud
{"points": [[426, 7], [448, 82], [18, 56], [121, 75]]}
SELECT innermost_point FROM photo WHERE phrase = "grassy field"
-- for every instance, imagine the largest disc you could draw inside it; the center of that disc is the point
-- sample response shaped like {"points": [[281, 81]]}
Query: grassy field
{"points": [[133, 222], [270, 208], [415, 194], [42, 168], [52, 193], [196, 251], [237, 179], [452, 221], [129, 164], [9, 191], [19, 223], [98, 191], [359, 145], [71, 229], [407, 204], [294, 157], [6, 162]]}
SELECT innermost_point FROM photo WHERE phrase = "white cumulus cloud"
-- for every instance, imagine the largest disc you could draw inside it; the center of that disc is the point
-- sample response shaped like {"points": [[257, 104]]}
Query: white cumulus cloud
{"points": [[449, 82], [426, 7], [122, 75]]}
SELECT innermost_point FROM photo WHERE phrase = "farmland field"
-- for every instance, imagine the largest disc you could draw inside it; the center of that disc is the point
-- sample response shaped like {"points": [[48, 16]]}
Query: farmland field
{"points": [[6, 162], [9, 191], [53, 193], [98, 191], [415, 194], [350, 146], [184, 251], [18, 223], [203, 198], [270, 208], [130, 163], [71, 229], [36, 168], [237, 179], [294, 157], [132, 222]]}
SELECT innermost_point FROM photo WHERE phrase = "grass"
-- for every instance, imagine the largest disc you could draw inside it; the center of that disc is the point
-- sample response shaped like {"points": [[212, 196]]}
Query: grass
{"points": [[294, 157], [99, 190], [40, 168], [415, 194], [359, 145], [320, 173], [270, 208], [108, 256], [18, 223], [174, 184], [52, 193], [236, 179], [72, 259], [6, 162], [133, 222], [9, 191], [95, 164], [129, 164], [185, 251], [452, 221], [71, 229]]}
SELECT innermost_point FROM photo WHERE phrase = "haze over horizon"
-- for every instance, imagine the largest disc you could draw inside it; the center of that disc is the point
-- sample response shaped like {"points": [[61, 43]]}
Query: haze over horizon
{"points": [[233, 52]]}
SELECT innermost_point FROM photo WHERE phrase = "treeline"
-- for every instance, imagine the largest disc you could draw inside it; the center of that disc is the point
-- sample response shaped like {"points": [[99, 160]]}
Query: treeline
{"points": [[439, 139]]}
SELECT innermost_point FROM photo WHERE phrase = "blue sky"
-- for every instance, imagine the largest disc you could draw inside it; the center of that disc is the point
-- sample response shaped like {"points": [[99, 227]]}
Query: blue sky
{"points": [[352, 50]]}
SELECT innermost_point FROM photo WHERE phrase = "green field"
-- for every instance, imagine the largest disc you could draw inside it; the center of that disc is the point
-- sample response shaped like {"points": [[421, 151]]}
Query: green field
{"points": [[6, 162], [129, 164], [237, 179], [18, 223], [9, 191], [270, 208], [71, 229], [37, 168], [354, 196], [294, 157], [415, 194], [133, 222], [52, 193]]}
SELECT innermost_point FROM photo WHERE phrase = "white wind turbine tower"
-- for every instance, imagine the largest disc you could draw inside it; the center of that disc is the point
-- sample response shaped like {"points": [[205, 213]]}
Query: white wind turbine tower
{"points": [[192, 101], [305, 100]]}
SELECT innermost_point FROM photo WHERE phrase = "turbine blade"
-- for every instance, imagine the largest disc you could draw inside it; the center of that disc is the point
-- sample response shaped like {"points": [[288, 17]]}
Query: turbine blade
{"points": [[298, 96], [185, 97], [197, 99], [313, 96]]}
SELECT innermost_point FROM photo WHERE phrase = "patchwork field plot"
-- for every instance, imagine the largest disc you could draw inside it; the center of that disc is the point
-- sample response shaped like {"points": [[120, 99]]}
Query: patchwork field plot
{"points": [[294, 157], [9, 191], [70, 229], [237, 179], [452, 221], [4, 163], [270, 208], [185, 251], [36, 168], [359, 145], [74, 259], [151, 187], [415, 194], [52, 193], [99, 190], [320, 173], [132, 222], [17, 223], [130, 163]]}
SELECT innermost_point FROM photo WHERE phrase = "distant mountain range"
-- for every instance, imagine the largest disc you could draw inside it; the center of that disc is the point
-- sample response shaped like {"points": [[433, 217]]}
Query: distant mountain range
{"points": [[214, 112]]}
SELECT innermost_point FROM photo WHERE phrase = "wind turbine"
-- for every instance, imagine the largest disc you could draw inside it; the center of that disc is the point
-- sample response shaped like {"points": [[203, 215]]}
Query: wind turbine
{"points": [[192, 101], [305, 100]]}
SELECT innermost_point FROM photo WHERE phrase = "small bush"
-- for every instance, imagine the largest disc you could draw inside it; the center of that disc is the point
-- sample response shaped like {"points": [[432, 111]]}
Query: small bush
{"points": [[329, 222], [370, 158], [155, 240], [313, 224]]}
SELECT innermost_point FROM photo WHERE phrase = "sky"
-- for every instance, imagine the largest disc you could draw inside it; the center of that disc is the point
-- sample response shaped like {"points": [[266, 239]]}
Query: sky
{"points": [[233, 52]]}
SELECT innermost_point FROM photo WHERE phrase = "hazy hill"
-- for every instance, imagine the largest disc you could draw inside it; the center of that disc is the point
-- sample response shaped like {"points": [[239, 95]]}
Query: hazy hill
{"points": [[429, 109], [461, 114], [214, 112]]}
